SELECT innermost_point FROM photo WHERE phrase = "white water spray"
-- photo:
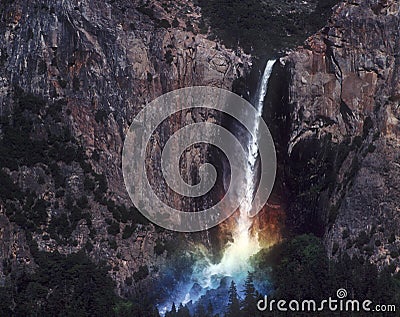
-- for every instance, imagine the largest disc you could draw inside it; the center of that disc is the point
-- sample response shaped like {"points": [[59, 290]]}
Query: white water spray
{"points": [[235, 261]]}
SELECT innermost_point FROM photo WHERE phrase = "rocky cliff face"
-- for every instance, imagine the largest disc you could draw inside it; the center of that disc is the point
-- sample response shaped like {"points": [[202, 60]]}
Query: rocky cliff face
{"points": [[73, 76], [343, 131]]}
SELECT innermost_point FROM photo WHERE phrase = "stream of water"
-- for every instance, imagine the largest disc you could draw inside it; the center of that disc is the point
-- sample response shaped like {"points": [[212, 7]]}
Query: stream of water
{"points": [[234, 264]]}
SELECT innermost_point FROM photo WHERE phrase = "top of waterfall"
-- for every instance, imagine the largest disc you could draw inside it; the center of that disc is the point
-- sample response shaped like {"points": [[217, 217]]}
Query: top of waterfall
{"points": [[262, 88]]}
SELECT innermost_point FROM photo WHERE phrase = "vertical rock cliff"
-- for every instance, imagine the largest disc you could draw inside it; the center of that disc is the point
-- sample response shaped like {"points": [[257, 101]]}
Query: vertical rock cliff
{"points": [[342, 113], [73, 74]]}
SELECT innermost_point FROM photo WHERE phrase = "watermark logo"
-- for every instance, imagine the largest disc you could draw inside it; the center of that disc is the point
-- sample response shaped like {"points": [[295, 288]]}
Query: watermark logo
{"points": [[142, 146], [341, 293], [340, 303]]}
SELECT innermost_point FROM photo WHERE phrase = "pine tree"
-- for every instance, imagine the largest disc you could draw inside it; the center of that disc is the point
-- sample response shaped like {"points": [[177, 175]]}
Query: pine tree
{"points": [[183, 311], [155, 313], [233, 304], [172, 312], [200, 311], [210, 310], [250, 297]]}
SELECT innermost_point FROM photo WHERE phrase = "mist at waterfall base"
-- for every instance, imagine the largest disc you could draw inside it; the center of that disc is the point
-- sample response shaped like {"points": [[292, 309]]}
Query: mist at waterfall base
{"points": [[209, 282]]}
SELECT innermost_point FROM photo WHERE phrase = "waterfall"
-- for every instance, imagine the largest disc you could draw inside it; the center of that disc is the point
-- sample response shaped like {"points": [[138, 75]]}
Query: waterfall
{"points": [[235, 260], [253, 143]]}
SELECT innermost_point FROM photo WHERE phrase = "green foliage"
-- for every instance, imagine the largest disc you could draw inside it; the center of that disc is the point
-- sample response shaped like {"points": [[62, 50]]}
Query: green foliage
{"points": [[33, 213], [141, 274], [146, 11], [113, 228], [89, 184], [301, 270], [137, 217], [233, 303], [83, 202], [163, 23], [175, 23], [75, 215], [189, 27], [203, 27], [130, 309], [128, 231], [128, 281], [345, 234], [63, 83], [89, 247], [101, 183], [18, 148], [172, 312], [60, 227], [200, 311], [96, 155], [59, 180], [8, 190], [362, 239], [368, 250], [357, 142], [371, 148], [113, 244], [171, 246], [302, 259], [38, 213], [28, 101], [120, 213], [249, 304], [183, 311], [100, 116], [169, 58], [349, 244], [159, 248], [3, 52], [61, 286], [6, 301], [41, 180], [263, 26]]}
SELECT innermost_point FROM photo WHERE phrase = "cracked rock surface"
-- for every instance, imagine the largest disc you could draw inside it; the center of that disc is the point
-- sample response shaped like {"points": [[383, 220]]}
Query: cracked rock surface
{"points": [[92, 65], [343, 143]]}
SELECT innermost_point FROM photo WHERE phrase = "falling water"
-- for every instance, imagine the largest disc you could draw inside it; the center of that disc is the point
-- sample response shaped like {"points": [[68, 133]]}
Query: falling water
{"points": [[235, 260], [253, 144]]}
